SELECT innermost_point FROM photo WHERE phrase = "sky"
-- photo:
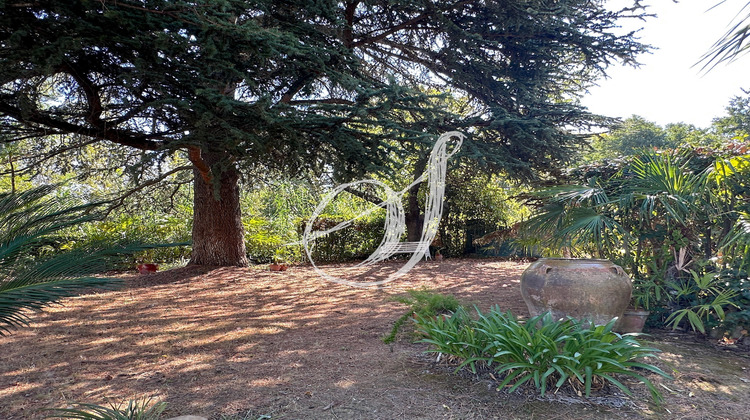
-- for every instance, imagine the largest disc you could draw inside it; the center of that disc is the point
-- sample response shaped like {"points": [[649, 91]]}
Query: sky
{"points": [[669, 87]]}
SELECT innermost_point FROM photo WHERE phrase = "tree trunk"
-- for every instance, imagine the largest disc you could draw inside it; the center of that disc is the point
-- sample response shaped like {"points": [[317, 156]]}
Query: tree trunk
{"points": [[218, 234], [414, 218]]}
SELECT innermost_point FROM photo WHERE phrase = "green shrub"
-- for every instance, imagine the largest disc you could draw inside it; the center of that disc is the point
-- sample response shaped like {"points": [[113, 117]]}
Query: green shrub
{"points": [[264, 244], [453, 335], [356, 242], [737, 281], [276, 214], [138, 409], [143, 228], [699, 297], [422, 303], [541, 351]]}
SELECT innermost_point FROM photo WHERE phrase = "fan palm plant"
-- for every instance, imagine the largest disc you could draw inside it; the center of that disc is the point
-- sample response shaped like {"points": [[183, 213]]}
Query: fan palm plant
{"points": [[33, 271], [655, 216], [621, 217], [576, 217]]}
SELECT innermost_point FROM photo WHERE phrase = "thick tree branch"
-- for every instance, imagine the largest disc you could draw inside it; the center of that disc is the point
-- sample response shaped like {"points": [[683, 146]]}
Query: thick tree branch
{"points": [[125, 138], [296, 87], [333, 101], [348, 35], [367, 197], [92, 95], [194, 154], [390, 31]]}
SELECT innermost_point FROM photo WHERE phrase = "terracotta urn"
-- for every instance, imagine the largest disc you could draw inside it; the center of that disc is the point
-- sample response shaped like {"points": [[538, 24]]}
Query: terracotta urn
{"points": [[585, 289]]}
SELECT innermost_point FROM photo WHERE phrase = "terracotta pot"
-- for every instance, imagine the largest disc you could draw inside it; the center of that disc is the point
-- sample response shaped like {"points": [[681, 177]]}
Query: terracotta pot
{"points": [[277, 267], [585, 289], [147, 268], [632, 321]]}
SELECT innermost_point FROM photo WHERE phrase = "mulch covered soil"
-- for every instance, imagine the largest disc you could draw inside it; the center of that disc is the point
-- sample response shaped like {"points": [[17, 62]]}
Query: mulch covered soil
{"points": [[248, 343]]}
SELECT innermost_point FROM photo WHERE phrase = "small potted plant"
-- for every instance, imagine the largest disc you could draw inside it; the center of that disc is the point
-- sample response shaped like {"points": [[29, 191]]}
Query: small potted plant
{"points": [[147, 268], [646, 293], [278, 263]]}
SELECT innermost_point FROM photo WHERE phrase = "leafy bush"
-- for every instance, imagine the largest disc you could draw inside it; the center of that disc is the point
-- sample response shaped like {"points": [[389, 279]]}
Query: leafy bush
{"points": [[738, 282], [655, 214], [138, 409], [143, 228], [454, 336], [263, 244], [542, 351], [360, 239], [700, 297], [275, 216], [422, 303]]}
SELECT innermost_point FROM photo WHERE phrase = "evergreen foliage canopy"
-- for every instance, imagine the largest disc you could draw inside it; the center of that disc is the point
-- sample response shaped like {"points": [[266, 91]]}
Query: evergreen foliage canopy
{"points": [[293, 83], [302, 85]]}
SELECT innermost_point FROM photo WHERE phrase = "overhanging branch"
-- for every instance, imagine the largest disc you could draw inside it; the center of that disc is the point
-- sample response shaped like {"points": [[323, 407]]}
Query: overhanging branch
{"points": [[365, 196], [123, 137], [119, 201]]}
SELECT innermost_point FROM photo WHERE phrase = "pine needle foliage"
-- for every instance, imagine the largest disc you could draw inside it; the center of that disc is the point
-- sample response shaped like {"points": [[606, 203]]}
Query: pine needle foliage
{"points": [[310, 84]]}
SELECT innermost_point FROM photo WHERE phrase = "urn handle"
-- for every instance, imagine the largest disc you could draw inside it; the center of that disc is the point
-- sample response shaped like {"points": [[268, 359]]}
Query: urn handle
{"points": [[544, 269], [617, 270]]}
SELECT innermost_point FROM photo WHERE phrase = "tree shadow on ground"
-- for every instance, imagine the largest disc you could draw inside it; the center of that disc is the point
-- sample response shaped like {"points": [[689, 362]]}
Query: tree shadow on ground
{"points": [[229, 340]]}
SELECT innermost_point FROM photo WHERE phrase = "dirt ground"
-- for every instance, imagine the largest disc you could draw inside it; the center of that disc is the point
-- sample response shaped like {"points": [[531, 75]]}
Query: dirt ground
{"points": [[234, 343]]}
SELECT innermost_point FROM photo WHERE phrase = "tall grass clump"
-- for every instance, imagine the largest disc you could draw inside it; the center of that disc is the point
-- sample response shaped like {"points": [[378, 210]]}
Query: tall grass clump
{"points": [[422, 303], [541, 351], [137, 409]]}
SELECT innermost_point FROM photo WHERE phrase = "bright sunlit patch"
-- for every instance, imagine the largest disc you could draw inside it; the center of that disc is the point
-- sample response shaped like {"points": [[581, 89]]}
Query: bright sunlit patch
{"points": [[345, 383], [267, 382]]}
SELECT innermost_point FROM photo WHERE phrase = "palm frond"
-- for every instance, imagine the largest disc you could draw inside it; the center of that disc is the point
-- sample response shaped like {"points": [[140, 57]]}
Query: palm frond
{"points": [[737, 241], [731, 45], [585, 224], [17, 297], [32, 276], [663, 186], [574, 194]]}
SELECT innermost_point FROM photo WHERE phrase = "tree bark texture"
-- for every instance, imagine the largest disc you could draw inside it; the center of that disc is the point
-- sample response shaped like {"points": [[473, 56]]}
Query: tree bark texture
{"points": [[218, 233], [414, 217]]}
